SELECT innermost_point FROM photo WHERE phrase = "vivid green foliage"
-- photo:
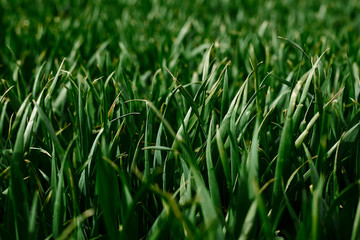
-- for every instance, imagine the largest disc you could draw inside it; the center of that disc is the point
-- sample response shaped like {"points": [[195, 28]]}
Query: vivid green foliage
{"points": [[179, 119]]}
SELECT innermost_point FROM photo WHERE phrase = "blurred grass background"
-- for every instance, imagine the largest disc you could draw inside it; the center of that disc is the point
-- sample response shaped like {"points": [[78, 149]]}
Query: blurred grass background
{"points": [[108, 144]]}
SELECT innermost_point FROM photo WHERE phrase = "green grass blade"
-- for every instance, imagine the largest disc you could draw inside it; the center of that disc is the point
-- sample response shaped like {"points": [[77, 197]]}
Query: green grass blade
{"points": [[223, 158], [249, 221], [316, 204], [50, 129], [107, 189], [59, 205], [32, 218], [356, 225], [18, 191], [214, 188]]}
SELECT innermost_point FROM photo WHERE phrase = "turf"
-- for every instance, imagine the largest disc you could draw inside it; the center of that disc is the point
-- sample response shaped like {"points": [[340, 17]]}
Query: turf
{"points": [[179, 119]]}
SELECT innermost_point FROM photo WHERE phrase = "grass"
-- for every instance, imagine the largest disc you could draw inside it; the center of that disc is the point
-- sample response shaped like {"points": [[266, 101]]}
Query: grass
{"points": [[194, 120]]}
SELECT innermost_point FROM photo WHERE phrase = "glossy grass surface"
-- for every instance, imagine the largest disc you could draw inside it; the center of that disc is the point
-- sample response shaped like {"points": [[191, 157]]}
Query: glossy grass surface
{"points": [[179, 119]]}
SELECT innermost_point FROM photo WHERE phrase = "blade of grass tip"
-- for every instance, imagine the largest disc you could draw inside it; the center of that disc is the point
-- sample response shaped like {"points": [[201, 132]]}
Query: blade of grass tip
{"points": [[214, 188], [113, 105], [2, 117], [267, 76], [83, 186], [94, 91], [28, 130], [108, 79], [182, 189], [311, 74], [201, 92], [259, 97], [37, 80], [74, 223], [223, 158], [350, 137], [8, 90], [216, 85], [334, 173], [303, 135], [10, 123], [155, 87], [225, 124], [98, 52], [158, 161], [210, 95], [253, 158], [53, 85], [135, 155], [314, 174], [206, 63], [225, 96], [19, 113], [122, 116], [296, 46], [14, 99], [281, 80], [51, 130], [93, 148], [187, 98], [59, 195], [293, 175], [346, 135], [240, 121], [164, 121]]}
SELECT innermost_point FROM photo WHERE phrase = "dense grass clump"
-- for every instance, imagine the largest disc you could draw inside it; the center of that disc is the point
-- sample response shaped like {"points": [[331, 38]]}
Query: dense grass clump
{"points": [[179, 119]]}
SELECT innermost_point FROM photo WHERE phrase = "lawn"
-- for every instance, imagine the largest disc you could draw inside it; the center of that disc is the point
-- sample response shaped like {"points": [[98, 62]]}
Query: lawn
{"points": [[179, 119]]}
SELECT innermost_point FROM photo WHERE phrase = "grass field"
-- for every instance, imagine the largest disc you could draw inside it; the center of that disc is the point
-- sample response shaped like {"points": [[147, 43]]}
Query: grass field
{"points": [[179, 119]]}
